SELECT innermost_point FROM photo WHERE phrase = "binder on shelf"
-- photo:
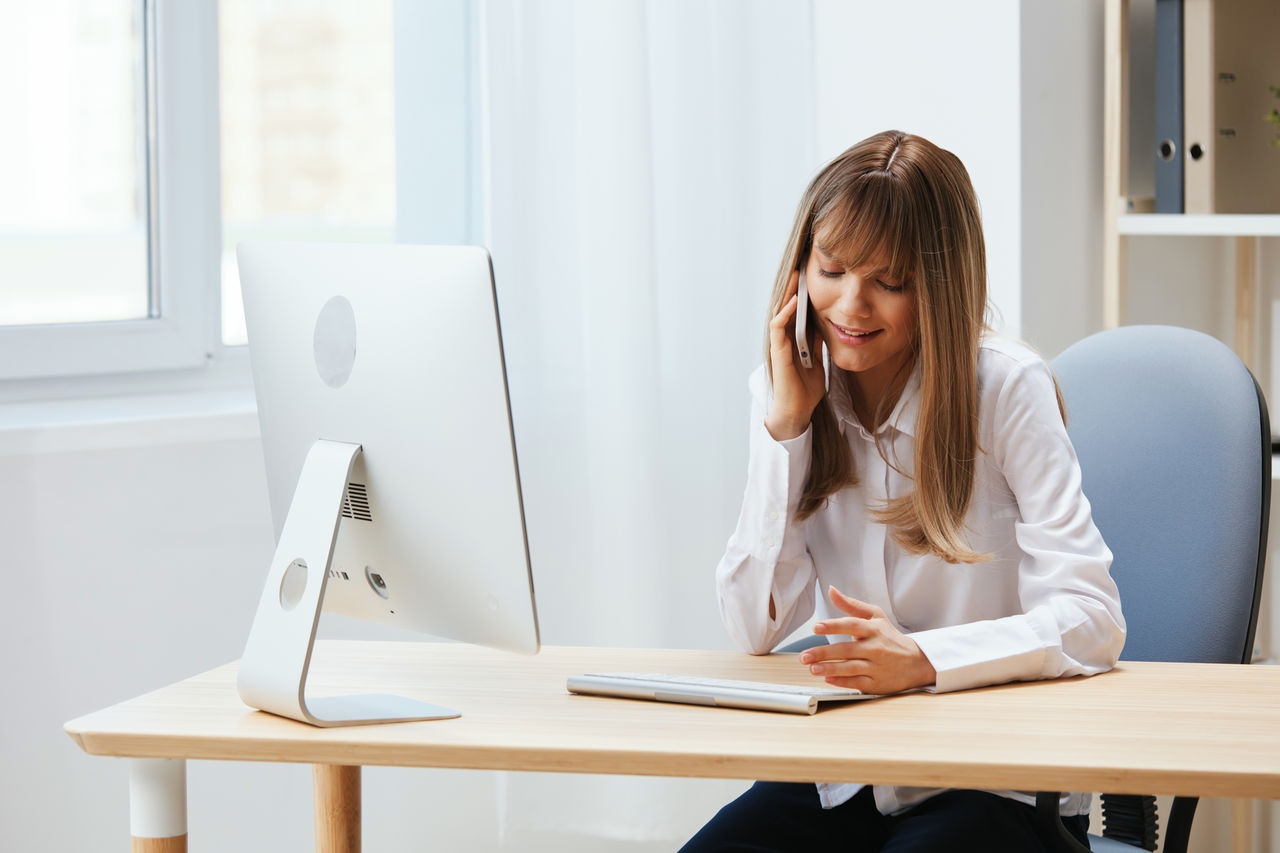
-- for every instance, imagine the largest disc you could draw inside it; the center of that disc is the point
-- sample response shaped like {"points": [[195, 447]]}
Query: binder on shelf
{"points": [[1231, 58], [1168, 170], [1197, 64]]}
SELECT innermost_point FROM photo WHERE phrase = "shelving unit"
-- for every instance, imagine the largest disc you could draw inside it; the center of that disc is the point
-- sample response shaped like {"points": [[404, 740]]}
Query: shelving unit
{"points": [[1120, 225], [1200, 225]]}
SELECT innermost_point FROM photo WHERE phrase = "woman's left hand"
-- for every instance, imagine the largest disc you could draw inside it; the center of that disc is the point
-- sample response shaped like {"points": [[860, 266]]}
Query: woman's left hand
{"points": [[879, 659]]}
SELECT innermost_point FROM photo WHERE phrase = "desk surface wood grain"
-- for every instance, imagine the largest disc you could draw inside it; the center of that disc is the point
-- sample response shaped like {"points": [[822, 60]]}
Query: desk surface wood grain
{"points": [[1156, 728]]}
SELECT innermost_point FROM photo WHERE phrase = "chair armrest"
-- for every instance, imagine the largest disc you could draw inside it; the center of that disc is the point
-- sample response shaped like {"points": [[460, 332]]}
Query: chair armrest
{"points": [[1058, 839], [1177, 830], [802, 644]]}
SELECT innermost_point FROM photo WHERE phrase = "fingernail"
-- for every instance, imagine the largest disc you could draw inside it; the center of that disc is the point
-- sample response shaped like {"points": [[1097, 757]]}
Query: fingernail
{"points": [[816, 669], [820, 626], [806, 658]]}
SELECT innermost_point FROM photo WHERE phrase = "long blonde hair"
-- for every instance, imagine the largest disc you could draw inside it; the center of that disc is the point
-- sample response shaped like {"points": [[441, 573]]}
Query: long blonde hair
{"points": [[902, 202]]}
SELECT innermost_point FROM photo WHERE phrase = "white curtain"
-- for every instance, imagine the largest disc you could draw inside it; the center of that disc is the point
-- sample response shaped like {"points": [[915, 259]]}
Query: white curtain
{"points": [[643, 162]]}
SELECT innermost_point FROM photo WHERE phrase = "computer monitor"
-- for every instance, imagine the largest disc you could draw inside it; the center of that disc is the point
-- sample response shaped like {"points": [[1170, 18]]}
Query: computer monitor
{"points": [[391, 461]]}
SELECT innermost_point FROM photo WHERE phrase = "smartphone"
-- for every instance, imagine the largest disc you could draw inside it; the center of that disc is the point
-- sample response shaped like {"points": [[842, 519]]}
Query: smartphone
{"points": [[802, 322]]}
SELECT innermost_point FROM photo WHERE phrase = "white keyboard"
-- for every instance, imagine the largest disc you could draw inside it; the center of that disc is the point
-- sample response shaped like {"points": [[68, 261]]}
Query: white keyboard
{"points": [[722, 692], [766, 686]]}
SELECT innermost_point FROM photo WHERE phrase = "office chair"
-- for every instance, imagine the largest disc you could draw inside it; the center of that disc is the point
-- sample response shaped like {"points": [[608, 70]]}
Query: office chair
{"points": [[1174, 444]]}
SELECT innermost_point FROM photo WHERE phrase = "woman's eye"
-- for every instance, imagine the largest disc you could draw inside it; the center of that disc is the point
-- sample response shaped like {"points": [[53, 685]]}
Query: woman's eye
{"points": [[892, 288], [830, 273]]}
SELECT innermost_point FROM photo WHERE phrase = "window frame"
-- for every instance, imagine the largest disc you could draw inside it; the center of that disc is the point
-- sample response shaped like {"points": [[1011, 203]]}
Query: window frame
{"points": [[181, 44]]}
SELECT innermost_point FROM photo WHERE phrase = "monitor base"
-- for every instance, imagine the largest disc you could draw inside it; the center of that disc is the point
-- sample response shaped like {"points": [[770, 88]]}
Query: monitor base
{"points": [[368, 708], [277, 656]]}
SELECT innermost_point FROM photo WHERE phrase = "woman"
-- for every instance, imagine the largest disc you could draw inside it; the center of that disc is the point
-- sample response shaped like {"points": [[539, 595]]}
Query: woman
{"points": [[921, 475]]}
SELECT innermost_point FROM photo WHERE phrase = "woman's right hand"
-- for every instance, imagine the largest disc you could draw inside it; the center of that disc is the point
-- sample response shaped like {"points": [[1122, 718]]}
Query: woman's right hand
{"points": [[797, 389]]}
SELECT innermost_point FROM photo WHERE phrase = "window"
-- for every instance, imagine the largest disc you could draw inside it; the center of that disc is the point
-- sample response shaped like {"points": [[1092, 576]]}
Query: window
{"points": [[308, 128], [163, 132], [74, 241], [103, 254]]}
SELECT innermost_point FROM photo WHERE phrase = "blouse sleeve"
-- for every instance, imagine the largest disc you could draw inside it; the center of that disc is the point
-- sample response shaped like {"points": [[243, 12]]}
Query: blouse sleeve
{"points": [[766, 556], [1071, 622]]}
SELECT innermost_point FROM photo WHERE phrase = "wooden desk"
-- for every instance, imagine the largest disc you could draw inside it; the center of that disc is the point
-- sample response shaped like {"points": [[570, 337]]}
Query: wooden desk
{"points": [[1153, 728]]}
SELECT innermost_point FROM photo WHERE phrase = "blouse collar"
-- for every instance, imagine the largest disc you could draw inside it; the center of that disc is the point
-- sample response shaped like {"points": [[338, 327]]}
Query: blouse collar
{"points": [[905, 411]]}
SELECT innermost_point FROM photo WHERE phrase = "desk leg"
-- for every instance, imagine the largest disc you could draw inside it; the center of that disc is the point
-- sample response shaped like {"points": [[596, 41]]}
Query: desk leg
{"points": [[337, 796], [1242, 826], [158, 805]]}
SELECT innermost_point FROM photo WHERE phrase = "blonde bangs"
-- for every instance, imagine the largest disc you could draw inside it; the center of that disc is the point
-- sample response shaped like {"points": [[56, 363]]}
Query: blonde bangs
{"points": [[868, 224]]}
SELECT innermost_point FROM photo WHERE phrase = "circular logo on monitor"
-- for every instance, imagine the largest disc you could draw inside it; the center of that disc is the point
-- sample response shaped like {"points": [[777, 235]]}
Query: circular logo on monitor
{"points": [[335, 342]]}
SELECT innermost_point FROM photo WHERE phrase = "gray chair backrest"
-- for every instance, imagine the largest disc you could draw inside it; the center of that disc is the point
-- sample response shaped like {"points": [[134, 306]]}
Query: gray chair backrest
{"points": [[1175, 451]]}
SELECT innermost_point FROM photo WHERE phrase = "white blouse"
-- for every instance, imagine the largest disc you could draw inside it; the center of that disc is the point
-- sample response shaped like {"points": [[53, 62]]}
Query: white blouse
{"points": [[1044, 606]]}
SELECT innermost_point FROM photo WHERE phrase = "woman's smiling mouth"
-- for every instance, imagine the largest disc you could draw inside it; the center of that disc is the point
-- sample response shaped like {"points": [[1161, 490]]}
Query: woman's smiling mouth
{"points": [[854, 336]]}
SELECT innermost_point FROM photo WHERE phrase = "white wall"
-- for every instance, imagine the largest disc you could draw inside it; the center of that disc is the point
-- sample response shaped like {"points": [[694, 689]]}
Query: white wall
{"points": [[950, 75], [128, 568], [132, 567], [1061, 169]]}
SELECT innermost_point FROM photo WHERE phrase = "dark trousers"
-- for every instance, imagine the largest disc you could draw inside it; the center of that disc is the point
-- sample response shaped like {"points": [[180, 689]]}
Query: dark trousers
{"points": [[774, 817]]}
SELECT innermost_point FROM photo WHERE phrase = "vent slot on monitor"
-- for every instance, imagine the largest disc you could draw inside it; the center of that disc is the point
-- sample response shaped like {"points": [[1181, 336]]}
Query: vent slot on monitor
{"points": [[355, 503]]}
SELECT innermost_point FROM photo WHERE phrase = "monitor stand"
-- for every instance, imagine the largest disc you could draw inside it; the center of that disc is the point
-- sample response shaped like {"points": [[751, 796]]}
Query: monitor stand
{"points": [[273, 671]]}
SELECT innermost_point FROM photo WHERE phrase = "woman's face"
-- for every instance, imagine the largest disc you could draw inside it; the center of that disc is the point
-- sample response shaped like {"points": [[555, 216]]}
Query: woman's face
{"points": [[867, 319]]}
